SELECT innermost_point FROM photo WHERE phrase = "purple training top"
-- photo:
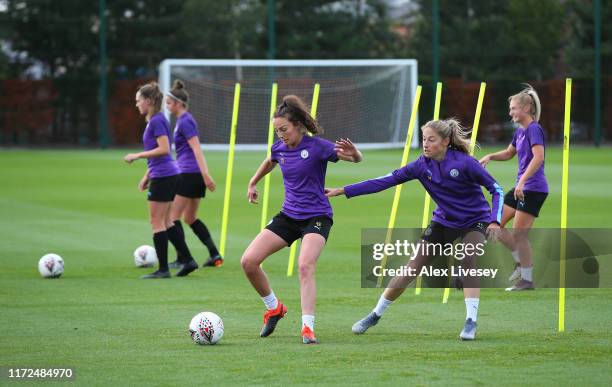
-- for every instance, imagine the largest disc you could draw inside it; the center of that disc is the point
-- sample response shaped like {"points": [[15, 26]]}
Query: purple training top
{"points": [[185, 129], [523, 141], [164, 165], [303, 169], [453, 183]]}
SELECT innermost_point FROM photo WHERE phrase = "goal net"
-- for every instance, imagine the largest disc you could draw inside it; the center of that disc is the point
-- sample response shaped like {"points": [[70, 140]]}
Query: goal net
{"points": [[368, 101]]}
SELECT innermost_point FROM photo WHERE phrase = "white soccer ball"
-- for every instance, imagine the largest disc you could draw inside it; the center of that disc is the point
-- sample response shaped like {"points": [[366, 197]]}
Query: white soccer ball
{"points": [[145, 256], [51, 266], [206, 328]]}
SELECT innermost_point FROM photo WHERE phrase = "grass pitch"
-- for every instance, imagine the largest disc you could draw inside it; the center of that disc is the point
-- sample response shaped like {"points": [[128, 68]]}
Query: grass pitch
{"points": [[113, 328]]}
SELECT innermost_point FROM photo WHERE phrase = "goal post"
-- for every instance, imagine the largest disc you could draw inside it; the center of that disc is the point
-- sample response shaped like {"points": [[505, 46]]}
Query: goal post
{"points": [[367, 101]]}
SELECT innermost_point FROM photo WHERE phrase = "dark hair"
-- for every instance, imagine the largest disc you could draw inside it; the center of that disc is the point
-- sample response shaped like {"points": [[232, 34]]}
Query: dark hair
{"points": [[179, 93], [151, 91], [452, 129], [296, 111]]}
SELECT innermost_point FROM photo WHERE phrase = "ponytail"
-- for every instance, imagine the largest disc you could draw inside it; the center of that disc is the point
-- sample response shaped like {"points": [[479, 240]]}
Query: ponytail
{"points": [[451, 128], [152, 92], [296, 111], [529, 97], [179, 93]]}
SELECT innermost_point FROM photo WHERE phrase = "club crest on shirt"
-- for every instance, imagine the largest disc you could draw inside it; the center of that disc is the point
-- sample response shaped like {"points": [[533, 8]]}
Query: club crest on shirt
{"points": [[429, 174], [304, 154], [282, 160], [454, 172]]}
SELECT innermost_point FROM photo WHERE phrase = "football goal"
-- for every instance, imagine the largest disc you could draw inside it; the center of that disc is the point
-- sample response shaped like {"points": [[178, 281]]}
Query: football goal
{"points": [[368, 101]]}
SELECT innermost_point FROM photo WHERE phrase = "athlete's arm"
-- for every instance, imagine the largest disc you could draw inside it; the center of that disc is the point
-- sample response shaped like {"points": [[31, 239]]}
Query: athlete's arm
{"points": [[266, 167], [399, 176], [504, 155], [144, 182], [485, 179], [163, 149], [194, 144], [331, 192], [347, 151]]}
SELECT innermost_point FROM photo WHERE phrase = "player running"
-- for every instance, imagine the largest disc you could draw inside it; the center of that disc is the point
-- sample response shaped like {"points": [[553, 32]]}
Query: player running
{"points": [[453, 179], [306, 212], [524, 201]]}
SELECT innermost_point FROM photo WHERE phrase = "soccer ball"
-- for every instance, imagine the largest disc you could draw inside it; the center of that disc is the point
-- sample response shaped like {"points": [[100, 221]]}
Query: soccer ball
{"points": [[51, 266], [206, 328], [145, 256]]}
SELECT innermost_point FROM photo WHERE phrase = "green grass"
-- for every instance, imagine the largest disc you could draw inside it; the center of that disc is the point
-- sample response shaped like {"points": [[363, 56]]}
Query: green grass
{"points": [[116, 329]]}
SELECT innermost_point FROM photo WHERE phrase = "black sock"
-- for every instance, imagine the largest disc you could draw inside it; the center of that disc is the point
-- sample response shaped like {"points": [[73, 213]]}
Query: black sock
{"points": [[179, 228], [178, 241], [201, 231], [160, 241]]}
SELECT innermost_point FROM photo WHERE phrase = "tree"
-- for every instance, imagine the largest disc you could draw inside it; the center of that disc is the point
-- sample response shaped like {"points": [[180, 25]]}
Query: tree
{"points": [[59, 36], [334, 29], [581, 50], [225, 29], [481, 39]]}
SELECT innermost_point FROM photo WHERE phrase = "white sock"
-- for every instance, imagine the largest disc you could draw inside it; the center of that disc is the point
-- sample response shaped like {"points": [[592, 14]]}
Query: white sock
{"points": [[515, 255], [527, 273], [382, 305], [308, 321], [471, 307], [270, 300]]}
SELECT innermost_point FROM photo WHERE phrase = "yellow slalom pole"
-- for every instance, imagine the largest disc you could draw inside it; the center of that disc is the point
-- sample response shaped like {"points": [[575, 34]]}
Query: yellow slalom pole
{"points": [[564, 185], [481, 94], [436, 115], [315, 101], [313, 112], [266, 191], [230, 167], [398, 188]]}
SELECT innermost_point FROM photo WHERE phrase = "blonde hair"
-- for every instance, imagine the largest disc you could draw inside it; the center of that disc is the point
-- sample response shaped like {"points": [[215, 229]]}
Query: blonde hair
{"points": [[296, 111], [451, 128], [529, 97], [151, 91]]}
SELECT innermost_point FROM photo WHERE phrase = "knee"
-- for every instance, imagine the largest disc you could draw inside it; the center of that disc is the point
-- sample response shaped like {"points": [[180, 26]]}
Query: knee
{"points": [[306, 270], [189, 218], [521, 235], [157, 224], [248, 263]]}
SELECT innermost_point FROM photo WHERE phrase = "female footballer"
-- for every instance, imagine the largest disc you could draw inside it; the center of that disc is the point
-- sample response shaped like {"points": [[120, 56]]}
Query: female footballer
{"points": [[161, 176], [306, 212], [453, 179], [524, 201], [195, 178]]}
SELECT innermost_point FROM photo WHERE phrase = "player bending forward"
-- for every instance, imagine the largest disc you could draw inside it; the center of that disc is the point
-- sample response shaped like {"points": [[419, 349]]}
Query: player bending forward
{"points": [[453, 179]]}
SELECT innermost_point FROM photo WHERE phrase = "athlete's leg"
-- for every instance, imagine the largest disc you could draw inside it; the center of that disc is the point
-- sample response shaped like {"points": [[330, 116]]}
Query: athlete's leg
{"points": [[395, 289], [190, 216], [157, 216], [523, 222], [265, 244], [471, 290], [312, 245], [505, 236]]}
